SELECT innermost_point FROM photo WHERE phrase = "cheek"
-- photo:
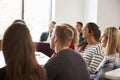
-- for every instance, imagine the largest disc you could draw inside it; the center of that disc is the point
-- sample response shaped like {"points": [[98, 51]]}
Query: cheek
{"points": [[85, 34], [103, 42]]}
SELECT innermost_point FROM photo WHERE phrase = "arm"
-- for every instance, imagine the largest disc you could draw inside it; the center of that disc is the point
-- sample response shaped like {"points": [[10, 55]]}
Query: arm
{"points": [[95, 62], [42, 37], [107, 66]]}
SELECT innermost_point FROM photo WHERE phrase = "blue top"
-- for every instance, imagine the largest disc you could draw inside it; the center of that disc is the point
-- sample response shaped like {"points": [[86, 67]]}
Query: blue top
{"points": [[112, 62]]}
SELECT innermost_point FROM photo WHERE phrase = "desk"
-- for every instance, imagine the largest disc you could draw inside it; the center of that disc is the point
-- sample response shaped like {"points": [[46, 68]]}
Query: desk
{"points": [[114, 74], [40, 57]]}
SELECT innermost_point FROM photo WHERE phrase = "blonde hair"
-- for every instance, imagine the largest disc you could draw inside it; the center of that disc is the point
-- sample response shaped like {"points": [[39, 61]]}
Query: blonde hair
{"points": [[113, 43], [65, 34]]}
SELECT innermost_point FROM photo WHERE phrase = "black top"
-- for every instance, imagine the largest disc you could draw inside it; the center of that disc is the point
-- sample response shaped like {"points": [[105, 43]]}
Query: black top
{"points": [[80, 37], [67, 65], [44, 36], [2, 73]]}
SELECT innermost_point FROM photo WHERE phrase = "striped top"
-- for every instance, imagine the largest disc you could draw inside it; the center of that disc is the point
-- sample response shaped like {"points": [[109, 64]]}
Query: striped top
{"points": [[93, 56]]}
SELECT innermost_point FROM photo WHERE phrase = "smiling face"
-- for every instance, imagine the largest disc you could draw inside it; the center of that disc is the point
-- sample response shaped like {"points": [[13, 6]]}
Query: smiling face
{"points": [[86, 33]]}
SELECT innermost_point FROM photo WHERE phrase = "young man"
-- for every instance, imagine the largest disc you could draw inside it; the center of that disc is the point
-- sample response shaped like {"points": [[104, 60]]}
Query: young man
{"points": [[45, 35], [66, 64], [79, 26]]}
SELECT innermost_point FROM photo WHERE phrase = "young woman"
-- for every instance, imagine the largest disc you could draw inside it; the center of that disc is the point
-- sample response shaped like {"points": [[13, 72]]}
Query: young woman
{"points": [[19, 53], [91, 50], [110, 40]]}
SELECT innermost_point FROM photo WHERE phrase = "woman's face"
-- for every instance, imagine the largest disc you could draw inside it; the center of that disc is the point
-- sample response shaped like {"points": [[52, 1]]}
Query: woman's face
{"points": [[104, 40], [86, 33]]}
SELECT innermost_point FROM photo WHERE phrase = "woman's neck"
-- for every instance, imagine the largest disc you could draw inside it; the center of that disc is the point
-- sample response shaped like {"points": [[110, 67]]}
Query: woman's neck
{"points": [[92, 41]]}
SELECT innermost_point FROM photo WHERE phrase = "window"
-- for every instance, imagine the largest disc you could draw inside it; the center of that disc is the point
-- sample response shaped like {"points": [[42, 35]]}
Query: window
{"points": [[9, 11], [36, 15]]}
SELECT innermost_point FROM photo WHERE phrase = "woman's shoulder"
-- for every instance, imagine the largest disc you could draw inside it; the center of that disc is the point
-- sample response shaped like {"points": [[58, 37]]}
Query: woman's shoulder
{"points": [[114, 58], [97, 49], [2, 70]]}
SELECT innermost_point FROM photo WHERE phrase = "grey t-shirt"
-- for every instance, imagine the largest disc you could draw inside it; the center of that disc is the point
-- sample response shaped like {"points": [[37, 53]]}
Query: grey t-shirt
{"points": [[67, 65]]}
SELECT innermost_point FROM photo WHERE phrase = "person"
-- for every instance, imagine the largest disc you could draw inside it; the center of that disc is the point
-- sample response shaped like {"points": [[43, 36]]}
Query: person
{"points": [[19, 54], [46, 35], [110, 40], [74, 42], [79, 26], [66, 64], [91, 50]]}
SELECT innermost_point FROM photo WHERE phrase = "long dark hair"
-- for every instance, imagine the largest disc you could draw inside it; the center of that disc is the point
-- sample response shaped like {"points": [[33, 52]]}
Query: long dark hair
{"points": [[93, 28], [19, 54]]}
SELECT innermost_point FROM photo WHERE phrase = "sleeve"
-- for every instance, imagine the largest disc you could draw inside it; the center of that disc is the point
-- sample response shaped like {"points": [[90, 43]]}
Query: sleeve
{"points": [[42, 37], [96, 60], [51, 70], [107, 66]]}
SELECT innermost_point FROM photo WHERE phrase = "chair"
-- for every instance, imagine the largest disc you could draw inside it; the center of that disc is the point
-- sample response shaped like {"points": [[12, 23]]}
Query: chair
{"points": [[44, 47]]}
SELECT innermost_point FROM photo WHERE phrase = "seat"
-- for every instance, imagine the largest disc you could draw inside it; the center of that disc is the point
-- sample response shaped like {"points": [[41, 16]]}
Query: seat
{"points": [[44, 47]]}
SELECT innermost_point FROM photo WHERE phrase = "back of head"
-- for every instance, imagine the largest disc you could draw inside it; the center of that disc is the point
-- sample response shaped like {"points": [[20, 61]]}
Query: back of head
{"points": [[113, 43], [18, 50], [75, 37], [93, 28], [18, 36], [64, 34]]}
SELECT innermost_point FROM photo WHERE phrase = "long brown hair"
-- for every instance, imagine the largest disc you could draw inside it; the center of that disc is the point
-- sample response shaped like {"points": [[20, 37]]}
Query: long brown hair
{"points": [[93, 28], [19, 54]]}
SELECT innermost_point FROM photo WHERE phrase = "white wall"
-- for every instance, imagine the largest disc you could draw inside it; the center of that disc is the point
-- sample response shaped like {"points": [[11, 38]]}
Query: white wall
{"points": [[108, 13], [103, 12], [69, 11], [91, 7]]}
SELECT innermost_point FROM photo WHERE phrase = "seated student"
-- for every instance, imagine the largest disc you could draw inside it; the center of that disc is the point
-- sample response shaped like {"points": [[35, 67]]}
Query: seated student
{"points": [[66, 64], [92, 50], [46, 35], [74, 42], [19, 53], [79, 26], [110, 40]]}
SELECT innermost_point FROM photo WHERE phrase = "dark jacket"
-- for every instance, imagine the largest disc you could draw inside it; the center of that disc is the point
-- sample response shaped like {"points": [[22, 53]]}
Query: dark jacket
{"points": [[2, 73], [44, 36]]}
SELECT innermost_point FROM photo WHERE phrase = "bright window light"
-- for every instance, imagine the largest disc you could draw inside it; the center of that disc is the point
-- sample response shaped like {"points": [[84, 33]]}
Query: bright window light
{"points": [[9, 11], [36, 15]]}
